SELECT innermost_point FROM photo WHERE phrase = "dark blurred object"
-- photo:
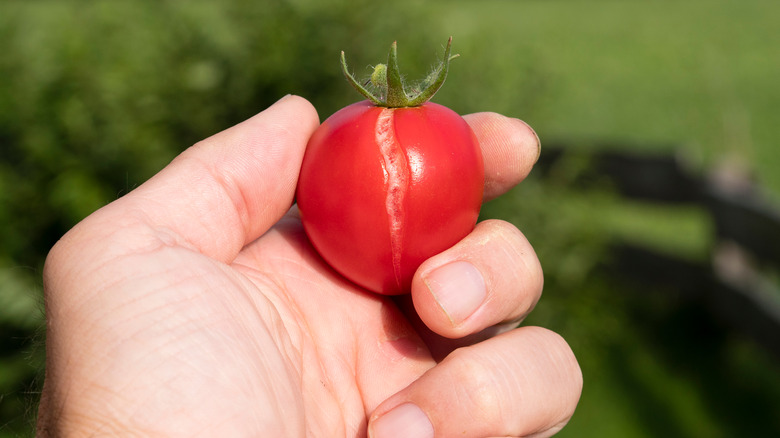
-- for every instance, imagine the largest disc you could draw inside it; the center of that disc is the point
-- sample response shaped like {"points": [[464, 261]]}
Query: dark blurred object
{"points": [[732, 283]]}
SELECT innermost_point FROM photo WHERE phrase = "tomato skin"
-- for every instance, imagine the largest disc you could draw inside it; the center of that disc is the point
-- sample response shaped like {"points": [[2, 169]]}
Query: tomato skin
{"points": [[383, 189]]}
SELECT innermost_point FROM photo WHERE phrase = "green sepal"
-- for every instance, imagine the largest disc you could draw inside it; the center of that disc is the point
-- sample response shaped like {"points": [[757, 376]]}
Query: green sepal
{"points": [[392, 93], [351, 79]]}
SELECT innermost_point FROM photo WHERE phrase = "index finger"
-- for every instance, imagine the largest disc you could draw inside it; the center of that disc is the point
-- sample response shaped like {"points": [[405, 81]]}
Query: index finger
{"points": [[228, 189], [510, 148]]}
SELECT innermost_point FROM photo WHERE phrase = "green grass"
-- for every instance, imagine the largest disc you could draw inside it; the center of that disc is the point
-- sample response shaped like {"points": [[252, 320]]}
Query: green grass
{"points": [[702, 75]]}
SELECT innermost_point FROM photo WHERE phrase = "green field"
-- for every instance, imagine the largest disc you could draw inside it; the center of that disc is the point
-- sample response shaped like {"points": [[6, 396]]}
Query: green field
{"points": [[96, 97], [700, 75]]}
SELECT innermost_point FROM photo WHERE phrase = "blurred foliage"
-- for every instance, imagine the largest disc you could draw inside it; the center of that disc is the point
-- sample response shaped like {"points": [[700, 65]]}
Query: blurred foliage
{"points": [[655, 364], [96, 97]]}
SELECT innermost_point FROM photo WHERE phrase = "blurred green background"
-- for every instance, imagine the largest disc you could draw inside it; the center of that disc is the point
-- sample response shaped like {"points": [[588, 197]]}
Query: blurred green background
{"points": [[95, 97]]}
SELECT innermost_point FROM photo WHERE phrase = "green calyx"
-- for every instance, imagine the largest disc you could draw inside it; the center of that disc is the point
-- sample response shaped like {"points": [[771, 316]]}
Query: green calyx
{"points": [[390, 91]]}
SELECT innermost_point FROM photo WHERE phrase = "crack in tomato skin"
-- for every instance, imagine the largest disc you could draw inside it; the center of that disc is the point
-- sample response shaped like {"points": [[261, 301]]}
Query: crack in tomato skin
{"points": [[396, 173], [380, 191]]}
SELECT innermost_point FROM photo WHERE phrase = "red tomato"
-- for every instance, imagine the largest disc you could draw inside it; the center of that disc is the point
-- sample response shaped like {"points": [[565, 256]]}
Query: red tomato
{"points": [[383, 189]]}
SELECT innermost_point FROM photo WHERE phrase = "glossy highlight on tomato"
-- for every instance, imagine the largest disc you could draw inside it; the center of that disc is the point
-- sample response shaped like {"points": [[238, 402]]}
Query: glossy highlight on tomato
{"points": [[382, 189]]}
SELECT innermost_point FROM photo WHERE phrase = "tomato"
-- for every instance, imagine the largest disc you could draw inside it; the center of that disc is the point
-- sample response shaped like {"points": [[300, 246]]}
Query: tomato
{"points": [[382, 189]]}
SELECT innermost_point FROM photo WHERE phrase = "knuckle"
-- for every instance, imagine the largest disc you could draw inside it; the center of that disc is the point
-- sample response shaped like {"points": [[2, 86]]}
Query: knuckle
{"points": [[499, 228], [478, 388], [512, 259], [505, 237]]}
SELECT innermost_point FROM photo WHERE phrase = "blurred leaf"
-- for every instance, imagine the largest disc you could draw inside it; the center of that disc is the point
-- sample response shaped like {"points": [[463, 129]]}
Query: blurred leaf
{"points": [[20, 300]]}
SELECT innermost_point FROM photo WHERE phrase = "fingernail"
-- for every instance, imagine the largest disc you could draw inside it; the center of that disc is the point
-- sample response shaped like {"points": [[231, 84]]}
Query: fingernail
{"points": [[406, 420], [458, 288], [538, 141]]}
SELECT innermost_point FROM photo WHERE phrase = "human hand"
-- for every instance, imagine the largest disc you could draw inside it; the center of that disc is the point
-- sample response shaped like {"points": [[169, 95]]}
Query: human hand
{"points": [[195, 305]]}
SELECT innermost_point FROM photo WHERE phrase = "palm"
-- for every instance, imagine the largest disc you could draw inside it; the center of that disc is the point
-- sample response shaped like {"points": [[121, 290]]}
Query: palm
{"points": [[332, 351]]}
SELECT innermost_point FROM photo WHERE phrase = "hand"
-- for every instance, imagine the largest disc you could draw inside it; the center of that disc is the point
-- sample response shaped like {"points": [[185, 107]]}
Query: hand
{"points": [[194, 305]]}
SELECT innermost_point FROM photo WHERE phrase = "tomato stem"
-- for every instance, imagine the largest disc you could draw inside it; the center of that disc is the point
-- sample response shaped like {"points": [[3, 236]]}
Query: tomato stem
{"points": [[388, 81], [396, 96]]}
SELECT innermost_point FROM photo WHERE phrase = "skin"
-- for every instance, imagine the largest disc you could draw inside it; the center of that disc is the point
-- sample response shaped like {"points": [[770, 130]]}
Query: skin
{"points": [[195, 306]]}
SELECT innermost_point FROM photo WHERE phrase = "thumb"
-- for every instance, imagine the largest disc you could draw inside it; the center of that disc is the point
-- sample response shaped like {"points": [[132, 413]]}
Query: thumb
{"points": [[227, 190]]}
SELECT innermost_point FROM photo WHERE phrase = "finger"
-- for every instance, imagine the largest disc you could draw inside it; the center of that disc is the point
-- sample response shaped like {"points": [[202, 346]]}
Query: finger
{"points": [[230, 188], [492, 276], [522, 383], [509, 148]]}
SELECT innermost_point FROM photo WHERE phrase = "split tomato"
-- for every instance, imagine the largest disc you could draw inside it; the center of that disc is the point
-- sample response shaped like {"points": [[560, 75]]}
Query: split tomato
{"points": [[388, 182]]}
